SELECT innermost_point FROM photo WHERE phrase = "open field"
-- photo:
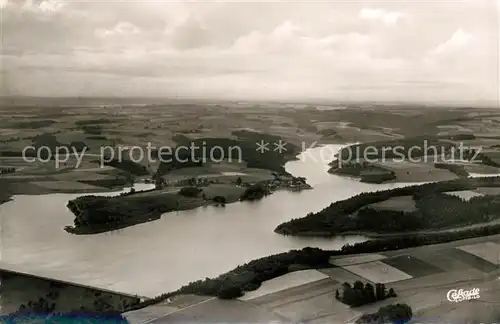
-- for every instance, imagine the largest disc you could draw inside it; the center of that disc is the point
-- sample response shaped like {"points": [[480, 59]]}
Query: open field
{"points": [[479, 168], [465, 194], [403, 203], [494, 155], [289, 280], [377, 271], [364, 258], [65, 185], [407, 171], [488, 191], [412, 266], [293, 294], [487, 251]]}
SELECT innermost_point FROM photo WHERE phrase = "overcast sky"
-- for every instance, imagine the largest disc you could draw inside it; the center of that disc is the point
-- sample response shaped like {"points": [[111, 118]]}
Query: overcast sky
{"points": [[340, 50]]}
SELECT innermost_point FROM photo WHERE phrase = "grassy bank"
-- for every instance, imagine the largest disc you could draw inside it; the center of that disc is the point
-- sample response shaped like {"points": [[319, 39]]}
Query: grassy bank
{"points": [[459, 170], [435, 210]]}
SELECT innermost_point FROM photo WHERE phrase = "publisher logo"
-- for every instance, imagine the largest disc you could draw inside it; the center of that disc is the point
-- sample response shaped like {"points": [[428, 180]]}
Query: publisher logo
{"points": [[456, 296]]}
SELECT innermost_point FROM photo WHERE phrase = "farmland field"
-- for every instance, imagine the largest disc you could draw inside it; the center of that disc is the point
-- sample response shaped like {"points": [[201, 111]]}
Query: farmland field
{"points": [[488, 251], [378, 272], [286, 281], [402, 203], [412, 266], [472, 260]]}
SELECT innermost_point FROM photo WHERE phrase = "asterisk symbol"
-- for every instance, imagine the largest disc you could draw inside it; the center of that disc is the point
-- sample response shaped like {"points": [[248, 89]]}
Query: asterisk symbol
{"points": [[262, 147], [280, 146]]}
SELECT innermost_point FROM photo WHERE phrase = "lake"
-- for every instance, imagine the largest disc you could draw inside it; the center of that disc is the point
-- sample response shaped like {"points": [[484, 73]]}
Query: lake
{"points": [[161, 256]]}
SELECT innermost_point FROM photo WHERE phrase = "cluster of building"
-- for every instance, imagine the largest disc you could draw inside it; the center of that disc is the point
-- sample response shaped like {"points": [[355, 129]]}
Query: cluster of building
{"points": [[287, 181]]}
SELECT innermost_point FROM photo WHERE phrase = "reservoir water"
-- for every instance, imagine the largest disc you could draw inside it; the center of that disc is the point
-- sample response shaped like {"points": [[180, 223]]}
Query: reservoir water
{"points": [[160, 256]]}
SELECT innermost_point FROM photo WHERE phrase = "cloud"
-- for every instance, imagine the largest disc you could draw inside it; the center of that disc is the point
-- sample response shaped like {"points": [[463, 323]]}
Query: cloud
{"points": [[121, 28], [50, 6], [189, 34], [252, 50], [458, 41], [284, 37], [389, 18], [46, 6]]}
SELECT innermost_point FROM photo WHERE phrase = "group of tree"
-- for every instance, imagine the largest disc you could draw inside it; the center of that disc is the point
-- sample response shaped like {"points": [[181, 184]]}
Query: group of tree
{"points": [[367, 172], [254, 192], [191, 192], [41, 305], [110, 183], [5, 197], [132, 191], [390, 314], [34, 124], [360, 294], [230, 291], [159, 181], [91, 129], [128, 166], [219, 200], [299, 180]]}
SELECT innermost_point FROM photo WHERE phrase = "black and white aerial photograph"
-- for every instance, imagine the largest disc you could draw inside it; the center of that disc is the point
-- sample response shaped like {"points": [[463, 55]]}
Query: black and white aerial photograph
{"points": [[250, 161]]}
